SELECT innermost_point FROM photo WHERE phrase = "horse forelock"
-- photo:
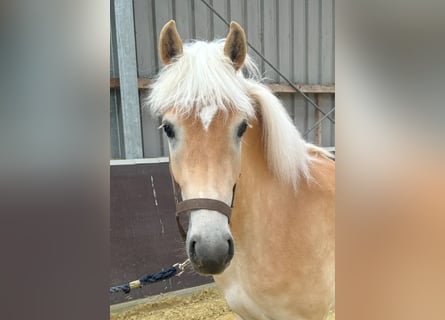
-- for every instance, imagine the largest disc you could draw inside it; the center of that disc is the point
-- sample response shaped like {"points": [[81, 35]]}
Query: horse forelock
{"points": [[202, 81]]}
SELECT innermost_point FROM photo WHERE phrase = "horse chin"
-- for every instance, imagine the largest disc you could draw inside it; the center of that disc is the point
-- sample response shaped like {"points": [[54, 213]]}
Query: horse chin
{"points": [[209, 268]]}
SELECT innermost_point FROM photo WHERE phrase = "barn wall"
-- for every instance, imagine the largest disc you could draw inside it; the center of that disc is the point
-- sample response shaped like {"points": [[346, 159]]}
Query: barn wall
{"points": [[297, 37], [144, 237]]}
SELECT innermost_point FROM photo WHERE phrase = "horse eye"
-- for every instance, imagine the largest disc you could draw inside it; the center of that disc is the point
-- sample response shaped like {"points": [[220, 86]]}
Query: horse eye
{"points": [[168, 129], [242, 128]]}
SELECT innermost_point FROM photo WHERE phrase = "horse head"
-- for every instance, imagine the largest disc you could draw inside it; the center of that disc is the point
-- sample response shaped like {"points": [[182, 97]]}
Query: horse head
{"points": [[205, 112]]}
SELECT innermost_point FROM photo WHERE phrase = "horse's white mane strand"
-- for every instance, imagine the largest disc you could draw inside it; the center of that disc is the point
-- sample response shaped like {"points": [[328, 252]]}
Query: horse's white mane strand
{"points": [[203, 79], [286, 151]]}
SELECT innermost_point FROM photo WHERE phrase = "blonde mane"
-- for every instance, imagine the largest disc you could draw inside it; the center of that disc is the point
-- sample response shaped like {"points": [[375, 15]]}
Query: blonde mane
{"points": [[203, 79]]}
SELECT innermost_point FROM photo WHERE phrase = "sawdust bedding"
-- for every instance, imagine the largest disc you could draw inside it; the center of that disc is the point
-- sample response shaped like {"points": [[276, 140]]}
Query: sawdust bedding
{"points": [[207, 304], [204, 305]]}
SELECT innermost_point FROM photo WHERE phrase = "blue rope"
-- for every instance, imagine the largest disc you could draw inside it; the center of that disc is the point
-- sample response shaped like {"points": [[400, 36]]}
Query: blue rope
{"points": [[125, 288], [147, 279], [163, 275]]}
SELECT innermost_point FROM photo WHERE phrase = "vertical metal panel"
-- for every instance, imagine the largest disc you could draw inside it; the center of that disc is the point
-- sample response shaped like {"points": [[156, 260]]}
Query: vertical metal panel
{"points": [[297, 36], [254, 29], [114, 67], [327, 66], [313, 41], [300, 34], [128, 75], [270, 45], [281, 18], [327, 41], [185, 18], [146, 37], [223, 8], [238, 12], [310, 119], [328, 131], [312, 46], [203, 21], [299, 61], [117, 150], [117, 146]]}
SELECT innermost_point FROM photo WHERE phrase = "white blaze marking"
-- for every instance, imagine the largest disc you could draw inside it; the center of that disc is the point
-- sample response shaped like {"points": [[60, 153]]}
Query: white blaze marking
{"points": [[206, 114]]}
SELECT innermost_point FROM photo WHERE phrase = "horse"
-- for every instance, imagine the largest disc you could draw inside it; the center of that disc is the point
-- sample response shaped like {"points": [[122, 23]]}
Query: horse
{"points": [[261, 200]]}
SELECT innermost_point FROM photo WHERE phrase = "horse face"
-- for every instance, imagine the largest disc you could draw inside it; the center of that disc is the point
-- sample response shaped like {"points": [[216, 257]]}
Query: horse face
{"points": [[205, 150], [205, 160]]}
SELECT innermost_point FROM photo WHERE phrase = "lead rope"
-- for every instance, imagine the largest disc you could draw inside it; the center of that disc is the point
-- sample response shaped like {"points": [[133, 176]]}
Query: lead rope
{"points": [[177, 269]]}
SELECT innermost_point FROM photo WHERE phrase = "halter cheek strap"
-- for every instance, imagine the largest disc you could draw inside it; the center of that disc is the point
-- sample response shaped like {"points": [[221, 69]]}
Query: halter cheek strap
{"points": [[185, 206]]}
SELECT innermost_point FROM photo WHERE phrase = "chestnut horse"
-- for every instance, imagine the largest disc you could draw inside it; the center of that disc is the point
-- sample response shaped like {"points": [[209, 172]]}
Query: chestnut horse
{"points": [[273, 257]]}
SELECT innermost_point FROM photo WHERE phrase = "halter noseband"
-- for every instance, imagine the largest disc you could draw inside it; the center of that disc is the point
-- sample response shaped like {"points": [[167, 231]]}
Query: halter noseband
{"points": [[184, 206]]}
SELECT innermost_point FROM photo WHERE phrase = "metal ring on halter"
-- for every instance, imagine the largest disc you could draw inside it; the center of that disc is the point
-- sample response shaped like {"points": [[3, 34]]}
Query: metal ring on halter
{"points": [[181, 266]]}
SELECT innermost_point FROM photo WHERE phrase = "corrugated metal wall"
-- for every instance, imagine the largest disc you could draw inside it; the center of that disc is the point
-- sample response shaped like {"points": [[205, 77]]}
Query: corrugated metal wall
{"points": [[297, 37]]}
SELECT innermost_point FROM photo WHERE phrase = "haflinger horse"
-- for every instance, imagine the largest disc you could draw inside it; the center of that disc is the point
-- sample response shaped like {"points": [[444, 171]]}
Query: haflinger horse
{"points": [[272, 254]]}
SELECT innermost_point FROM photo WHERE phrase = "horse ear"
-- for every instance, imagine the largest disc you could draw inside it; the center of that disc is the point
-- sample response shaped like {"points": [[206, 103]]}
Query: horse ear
{"points": [[236, 46], [170, 43]]}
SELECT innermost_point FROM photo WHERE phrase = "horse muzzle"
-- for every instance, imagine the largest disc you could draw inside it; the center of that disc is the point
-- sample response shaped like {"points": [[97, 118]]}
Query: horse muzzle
{"points": [[209, 242]]}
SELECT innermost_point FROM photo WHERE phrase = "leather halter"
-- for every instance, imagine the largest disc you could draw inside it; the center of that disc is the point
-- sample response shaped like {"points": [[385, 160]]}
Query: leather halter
{"points": [[185, 206]]}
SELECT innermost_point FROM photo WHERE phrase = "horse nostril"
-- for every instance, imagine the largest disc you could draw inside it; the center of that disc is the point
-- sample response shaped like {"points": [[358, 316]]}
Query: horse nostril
{"points": [[210, 256], [192, 249], [231, 250]]}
